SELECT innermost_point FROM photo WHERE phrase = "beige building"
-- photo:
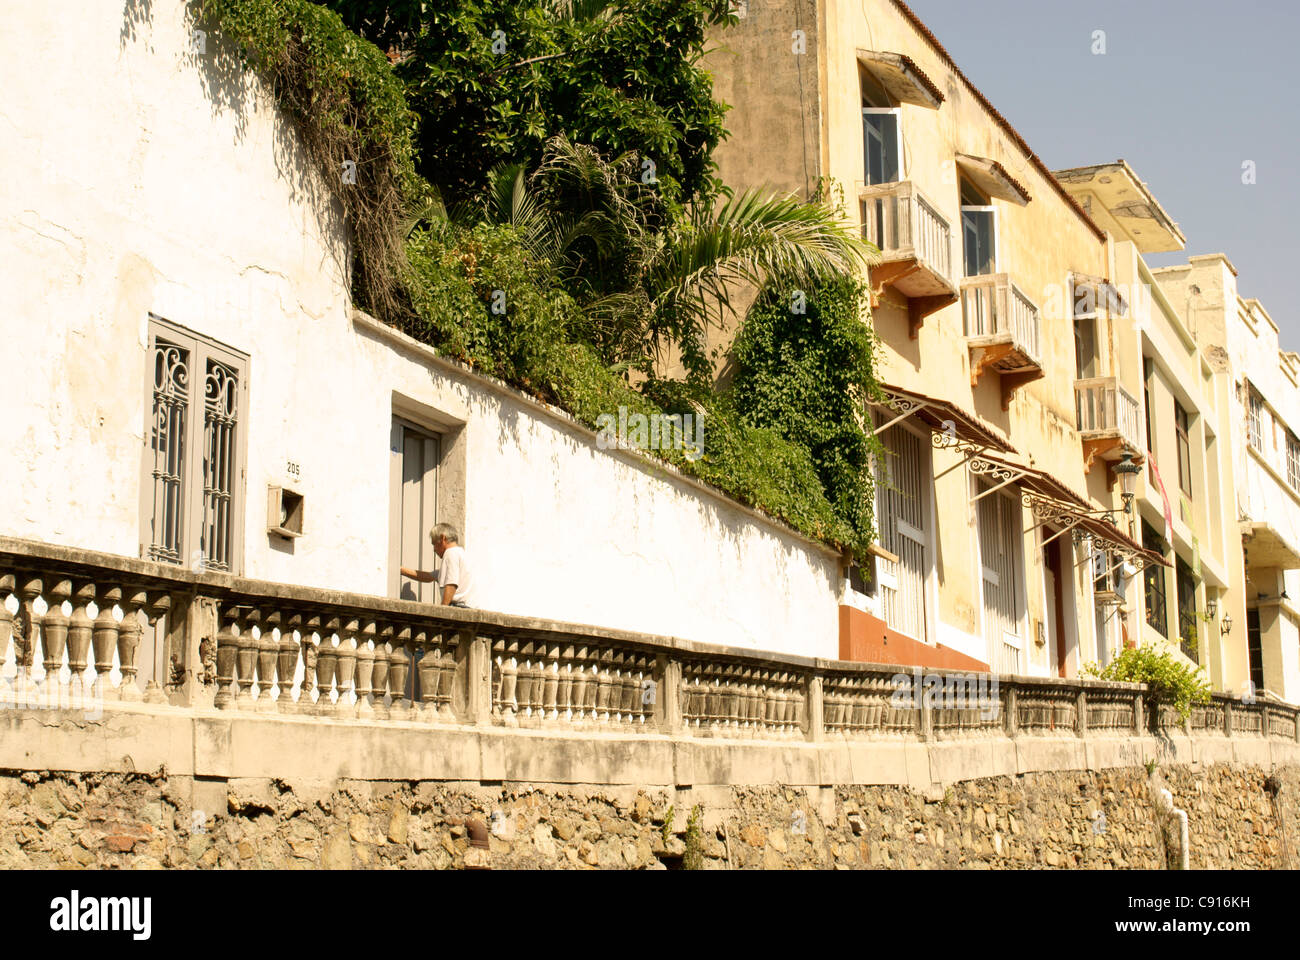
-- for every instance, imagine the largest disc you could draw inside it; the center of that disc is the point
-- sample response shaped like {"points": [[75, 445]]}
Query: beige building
{"points": [[1260, 399], [995, 541], [1186, 496]]}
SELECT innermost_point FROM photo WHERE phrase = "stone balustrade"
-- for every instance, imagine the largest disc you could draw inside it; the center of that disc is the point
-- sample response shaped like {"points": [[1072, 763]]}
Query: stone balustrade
{"points": [[72, 622]]}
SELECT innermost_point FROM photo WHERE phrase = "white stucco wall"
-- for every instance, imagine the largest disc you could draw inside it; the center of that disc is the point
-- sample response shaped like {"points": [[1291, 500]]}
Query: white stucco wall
{"points": [[151, 179]]}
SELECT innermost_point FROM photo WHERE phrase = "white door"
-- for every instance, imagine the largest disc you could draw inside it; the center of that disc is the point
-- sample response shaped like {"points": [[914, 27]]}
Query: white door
{"points": [[901, 491], [1000, 546]]}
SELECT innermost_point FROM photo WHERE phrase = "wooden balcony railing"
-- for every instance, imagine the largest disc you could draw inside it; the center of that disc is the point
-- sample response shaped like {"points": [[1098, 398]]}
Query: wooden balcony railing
{"points": [[1107, 418], [904, 225], [1003, 331], [248, 646], [915, 242]]}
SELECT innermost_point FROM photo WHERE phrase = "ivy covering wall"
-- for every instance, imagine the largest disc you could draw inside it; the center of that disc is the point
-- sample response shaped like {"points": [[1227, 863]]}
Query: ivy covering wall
{"points": [[787, 437]]}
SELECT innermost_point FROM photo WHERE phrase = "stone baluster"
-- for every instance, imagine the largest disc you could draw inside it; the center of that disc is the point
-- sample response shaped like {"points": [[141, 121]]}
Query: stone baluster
{"points": [[54, 642], [428, 669], [631, 700], [104, 633], [509, 683], [537, 682], [691, 703], [578, 691], [327, 659], [551, 682], [785, 703], [29, 589], [564, 684], [383, 661], [730, 700], [399, 667], [286, 662], [129, 632], [605, 687], [345, 665], [268, 651], [227, 652], [365, 670], [158, 604], [446, 659], [8, 583], [310, 653], [832, 694], [80, 631], [245, 658], [645, 681], [524, 681], [746, 715]]}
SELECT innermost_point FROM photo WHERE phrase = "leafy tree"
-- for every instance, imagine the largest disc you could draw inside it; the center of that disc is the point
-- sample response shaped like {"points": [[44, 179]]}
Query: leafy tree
{"points": [[494, 80], [646, 280]]}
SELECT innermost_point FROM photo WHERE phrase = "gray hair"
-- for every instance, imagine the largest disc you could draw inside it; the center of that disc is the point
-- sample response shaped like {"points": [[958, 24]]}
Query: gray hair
{"points": [[445, 530]]}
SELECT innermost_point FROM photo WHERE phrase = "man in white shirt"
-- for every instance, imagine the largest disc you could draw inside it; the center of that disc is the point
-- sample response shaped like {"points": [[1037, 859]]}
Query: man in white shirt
{"points": [[455, 582]]}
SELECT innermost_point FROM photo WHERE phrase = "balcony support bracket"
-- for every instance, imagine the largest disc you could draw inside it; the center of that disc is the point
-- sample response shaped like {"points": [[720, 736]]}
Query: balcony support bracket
{"points": [[887, 274], [918, 308], [1011, 382]]}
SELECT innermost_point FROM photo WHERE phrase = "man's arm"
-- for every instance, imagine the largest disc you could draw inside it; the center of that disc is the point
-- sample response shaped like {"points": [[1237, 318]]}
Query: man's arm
{"points": [[448, 593], [420, 575]]}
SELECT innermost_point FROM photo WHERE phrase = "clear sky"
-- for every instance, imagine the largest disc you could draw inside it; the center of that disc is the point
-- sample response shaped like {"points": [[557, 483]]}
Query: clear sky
{"points": [[1187, 91]]}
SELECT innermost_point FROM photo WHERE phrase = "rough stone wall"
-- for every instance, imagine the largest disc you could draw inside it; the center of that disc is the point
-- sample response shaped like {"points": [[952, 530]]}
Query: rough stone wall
{"points": [[1052, 820]]}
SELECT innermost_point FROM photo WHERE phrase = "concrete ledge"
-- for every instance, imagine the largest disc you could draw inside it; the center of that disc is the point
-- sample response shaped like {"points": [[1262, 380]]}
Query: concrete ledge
{"points": [[155, 739]]}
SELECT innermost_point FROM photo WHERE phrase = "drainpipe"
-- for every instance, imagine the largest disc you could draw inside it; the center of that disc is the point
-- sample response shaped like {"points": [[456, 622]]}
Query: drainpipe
{"points": [[1165, 805]]}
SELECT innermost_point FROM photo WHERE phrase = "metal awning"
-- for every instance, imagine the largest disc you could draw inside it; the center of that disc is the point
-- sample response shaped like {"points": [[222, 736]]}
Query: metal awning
{"points": [[950, 425], [1034, 482], [993, 178], [901, 78], [1111, 538]]}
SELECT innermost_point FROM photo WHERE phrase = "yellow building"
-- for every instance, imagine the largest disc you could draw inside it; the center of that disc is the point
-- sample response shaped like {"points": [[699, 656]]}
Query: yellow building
{"points": [[1003, 541]]}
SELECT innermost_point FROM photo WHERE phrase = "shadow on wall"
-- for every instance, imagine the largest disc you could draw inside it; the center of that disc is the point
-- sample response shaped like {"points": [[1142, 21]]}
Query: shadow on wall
{"points": [[231, 88]]}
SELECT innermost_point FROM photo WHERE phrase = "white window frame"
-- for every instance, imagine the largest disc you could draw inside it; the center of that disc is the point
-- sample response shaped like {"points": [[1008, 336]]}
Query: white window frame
{"points": [[997, 243], [898, 142]]}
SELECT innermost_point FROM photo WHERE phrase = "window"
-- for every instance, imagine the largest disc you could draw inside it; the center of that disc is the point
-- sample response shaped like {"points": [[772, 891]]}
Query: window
{"points": [[1292, 461], [1187, 619], [1086, 360], [1184, 450], [881, 145], [193, 475], [1154, 577], [1255, 650], [901, 510], [1255, 418], [979, 232], [1001, 544]]}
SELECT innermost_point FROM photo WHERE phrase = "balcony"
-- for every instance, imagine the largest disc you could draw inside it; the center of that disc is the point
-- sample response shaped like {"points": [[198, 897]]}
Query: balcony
{"points": [[1003, 332], [915, 242], [1108, 420]]}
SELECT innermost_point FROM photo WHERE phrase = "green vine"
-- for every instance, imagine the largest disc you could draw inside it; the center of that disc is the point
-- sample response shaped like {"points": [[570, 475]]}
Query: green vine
{"points": [[354, 121]]}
